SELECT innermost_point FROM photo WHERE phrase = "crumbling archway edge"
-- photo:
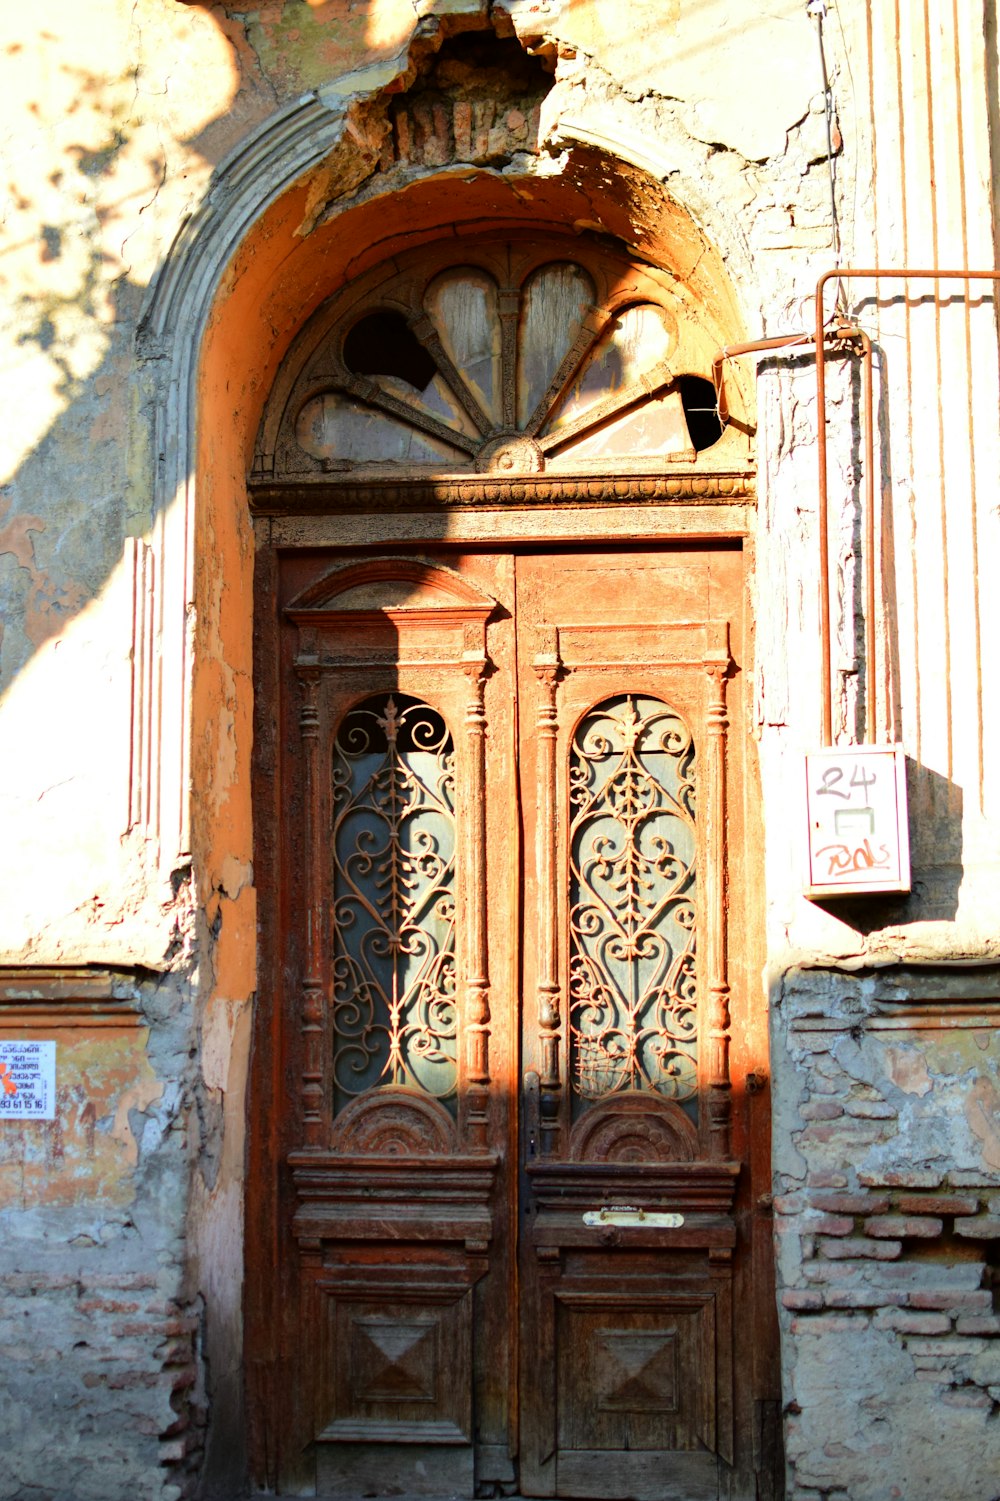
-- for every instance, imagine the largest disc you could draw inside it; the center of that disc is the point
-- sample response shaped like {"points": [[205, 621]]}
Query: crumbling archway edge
{"points": [[295, 213]]}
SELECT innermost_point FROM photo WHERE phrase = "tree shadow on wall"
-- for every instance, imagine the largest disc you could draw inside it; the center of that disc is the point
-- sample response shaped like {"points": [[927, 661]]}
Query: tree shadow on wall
{"points": [[86, 482], [80, 485]]}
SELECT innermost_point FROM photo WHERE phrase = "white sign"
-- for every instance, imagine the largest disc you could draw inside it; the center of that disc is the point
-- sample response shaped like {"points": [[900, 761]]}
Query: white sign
{"points": [[858, 833], [28, 1081]]}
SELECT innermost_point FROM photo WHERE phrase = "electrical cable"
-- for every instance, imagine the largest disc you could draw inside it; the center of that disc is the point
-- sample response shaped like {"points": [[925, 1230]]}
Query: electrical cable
{"points": [[817, 9]]}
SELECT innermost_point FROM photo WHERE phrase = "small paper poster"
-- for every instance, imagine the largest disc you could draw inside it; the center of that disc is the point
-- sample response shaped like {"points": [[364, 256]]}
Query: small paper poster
{"points": [[858, 833], [27, 1081]]}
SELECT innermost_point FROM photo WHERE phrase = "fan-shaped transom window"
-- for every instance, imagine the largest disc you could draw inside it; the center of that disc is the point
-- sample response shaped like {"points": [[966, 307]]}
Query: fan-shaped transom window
{"points": [[507, 358]]}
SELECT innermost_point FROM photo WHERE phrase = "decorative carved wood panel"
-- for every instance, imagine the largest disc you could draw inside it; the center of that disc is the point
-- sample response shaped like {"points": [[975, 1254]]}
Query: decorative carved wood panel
{"points": [[627, 1020], [631, 1379], [510, 1021]]}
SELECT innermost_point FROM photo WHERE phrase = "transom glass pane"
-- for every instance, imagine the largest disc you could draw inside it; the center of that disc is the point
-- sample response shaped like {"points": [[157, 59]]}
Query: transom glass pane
{"points": [[435, 400], [344, 431], [633, 894], [657, 427], [462, 305], [394, 1017], [556, 300], [633, 344]]}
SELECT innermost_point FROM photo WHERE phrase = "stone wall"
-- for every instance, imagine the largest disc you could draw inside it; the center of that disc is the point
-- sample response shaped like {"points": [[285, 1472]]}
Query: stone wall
{"points": [[104, 1390], [888, 1232]]}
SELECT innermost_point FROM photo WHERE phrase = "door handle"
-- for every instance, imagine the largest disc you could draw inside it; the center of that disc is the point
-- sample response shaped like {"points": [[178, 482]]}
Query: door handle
{"points": [[530, 1106]]}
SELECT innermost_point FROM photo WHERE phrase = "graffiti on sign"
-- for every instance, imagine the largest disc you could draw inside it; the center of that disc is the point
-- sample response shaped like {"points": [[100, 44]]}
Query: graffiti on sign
{"points": [[27, 1081], [858, 835]]}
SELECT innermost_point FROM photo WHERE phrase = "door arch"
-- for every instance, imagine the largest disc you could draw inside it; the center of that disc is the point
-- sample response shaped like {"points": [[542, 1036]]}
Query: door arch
{"points": [[514, 355], [489, 514]]}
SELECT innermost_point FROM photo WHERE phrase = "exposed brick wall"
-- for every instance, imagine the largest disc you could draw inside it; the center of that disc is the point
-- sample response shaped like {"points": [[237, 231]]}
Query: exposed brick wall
{"points": [[103, 1374], [476, 103], [887, 1229], [117, 1365]]}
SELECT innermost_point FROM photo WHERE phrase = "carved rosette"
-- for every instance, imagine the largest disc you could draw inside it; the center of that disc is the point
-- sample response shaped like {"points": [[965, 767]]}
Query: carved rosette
{"points": [[510, 455]]}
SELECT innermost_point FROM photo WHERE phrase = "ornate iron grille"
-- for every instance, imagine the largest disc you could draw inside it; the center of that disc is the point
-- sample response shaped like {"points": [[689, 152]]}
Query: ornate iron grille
{"points": [[632, 985], [394, 1014]]}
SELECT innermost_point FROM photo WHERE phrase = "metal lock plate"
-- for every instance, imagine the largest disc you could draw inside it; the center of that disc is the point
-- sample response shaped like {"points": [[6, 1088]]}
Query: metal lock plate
{"points": [[631, 1214]]}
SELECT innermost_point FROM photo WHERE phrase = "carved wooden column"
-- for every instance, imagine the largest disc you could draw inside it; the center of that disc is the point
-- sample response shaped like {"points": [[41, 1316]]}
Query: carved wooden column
{"points": [[477, 979], [313, 1082], [546, 665], [716, 902]]}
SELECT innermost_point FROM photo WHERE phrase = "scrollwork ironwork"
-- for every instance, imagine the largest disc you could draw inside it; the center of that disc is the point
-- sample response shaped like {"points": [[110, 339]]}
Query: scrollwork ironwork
{"points": [[633, 892], [394, 981]]}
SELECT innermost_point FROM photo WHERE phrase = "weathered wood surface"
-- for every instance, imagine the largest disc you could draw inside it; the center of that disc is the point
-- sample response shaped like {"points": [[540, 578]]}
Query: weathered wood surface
{"points": [[425, 1297]]}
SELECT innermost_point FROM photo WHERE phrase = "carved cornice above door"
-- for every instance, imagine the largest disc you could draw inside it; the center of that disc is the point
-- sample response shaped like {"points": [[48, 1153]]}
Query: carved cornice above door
{"points": [[320, 495]]}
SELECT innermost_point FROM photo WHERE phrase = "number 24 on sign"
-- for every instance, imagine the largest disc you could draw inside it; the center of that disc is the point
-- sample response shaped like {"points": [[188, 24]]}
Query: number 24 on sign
{"points": [[858, 839]]}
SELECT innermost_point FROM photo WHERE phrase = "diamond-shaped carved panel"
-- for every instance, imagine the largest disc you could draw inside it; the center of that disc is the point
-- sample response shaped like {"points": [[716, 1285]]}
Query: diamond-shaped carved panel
{"points": [[635, 1371], [394, 1362], [396, 1366], [643, 1375]]}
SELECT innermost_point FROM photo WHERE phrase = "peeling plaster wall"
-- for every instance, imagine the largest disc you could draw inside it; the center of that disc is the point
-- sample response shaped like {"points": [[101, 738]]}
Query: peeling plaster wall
{"points": [[180, 182], [103, 1325], [886, 1115]]}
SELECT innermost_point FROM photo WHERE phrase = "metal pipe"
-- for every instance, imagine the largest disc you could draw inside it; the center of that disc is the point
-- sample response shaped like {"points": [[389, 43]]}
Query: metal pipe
{"points": [[826, 688], [817, 338], [730, 351], [876, 273], [868, 536]]}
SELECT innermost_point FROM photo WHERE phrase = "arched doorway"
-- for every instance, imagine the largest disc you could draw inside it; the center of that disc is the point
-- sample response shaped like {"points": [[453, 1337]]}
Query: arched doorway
{"points": [[507, 1150]]}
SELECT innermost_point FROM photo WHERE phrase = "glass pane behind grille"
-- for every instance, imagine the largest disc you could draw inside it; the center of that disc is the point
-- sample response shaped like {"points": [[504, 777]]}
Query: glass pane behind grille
{"points": [[633, 889], [394, 1019]]}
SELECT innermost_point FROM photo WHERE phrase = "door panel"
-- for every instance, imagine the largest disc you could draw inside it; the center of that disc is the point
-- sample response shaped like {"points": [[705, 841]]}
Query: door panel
{"points": [[397, 1030], [626, 1006], [509, 1172]]}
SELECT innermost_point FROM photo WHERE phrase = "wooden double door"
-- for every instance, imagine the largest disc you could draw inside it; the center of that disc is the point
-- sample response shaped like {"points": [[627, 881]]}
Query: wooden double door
{"points": [[509, 1138]]}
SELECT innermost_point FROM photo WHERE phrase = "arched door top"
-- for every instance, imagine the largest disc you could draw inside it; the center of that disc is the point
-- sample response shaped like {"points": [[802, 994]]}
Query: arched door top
{"points": [[391, 582], [511, 356]]}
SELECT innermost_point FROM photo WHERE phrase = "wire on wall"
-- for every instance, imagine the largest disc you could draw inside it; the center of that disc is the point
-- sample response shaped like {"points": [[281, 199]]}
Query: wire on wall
{"points": [[817, 9]]}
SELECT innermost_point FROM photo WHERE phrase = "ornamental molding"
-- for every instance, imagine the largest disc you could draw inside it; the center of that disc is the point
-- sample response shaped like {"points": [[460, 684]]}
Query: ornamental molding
{"points": [[321, 496]]}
